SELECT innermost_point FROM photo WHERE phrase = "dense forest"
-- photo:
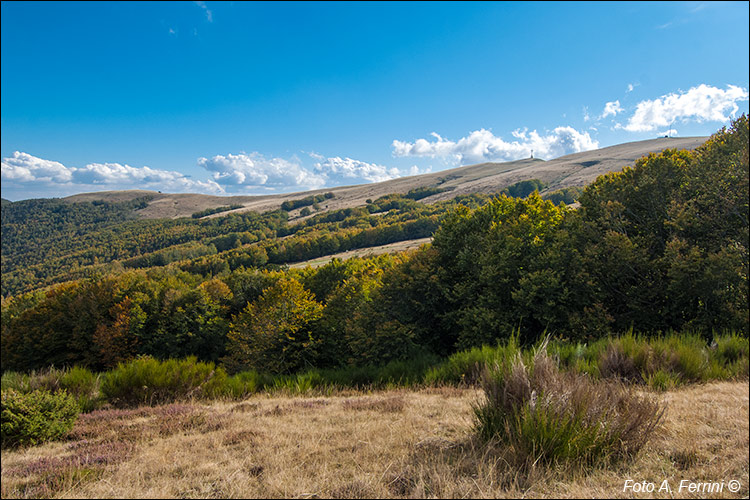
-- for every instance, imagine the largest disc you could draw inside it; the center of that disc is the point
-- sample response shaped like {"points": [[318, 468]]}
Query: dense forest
{"points": [[658, 247]]}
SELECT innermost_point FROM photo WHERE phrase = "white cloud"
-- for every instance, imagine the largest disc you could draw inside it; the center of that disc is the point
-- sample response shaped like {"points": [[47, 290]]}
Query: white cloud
{"points": [[23, 169], [482, 145], [669, 133], [611, 108], [702, 103], [252, 171], [209, 14], [415, 170], [631, 87], [343, 169], [122, 176]]}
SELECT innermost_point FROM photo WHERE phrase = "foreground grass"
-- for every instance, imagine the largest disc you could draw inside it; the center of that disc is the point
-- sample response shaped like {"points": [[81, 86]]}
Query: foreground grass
{"points": [[398, 444]]}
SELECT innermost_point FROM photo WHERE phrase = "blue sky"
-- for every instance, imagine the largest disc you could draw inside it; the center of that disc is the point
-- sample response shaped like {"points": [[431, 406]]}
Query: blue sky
{"points": [[256, 98]]}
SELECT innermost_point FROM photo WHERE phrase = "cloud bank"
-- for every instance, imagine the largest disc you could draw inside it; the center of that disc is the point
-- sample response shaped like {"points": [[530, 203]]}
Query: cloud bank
{"points": [[702, 103], [482, 145], [244, 172], [23, 170]]}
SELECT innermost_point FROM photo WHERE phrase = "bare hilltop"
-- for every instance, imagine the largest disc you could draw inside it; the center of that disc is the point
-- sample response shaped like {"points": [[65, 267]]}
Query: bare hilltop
{"points": [[577, 169]]}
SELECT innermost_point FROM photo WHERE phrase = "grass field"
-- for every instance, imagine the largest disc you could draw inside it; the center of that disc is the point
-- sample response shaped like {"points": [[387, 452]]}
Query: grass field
{"points": [[399, 246], [394, 444]]}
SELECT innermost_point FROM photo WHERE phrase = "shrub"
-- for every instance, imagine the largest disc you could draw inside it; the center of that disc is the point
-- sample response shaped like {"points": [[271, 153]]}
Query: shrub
{"points": [[730, 348], [14, 380], [150, 382], [661, 380], [467, 366], [36, 417], [634, 358], [79, 382], [84, 386], [616, 363], [241, 385], [548, 416]]}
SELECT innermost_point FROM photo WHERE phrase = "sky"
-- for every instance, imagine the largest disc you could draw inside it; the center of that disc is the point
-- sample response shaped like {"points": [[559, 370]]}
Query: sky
{"points": [[253, 98]]}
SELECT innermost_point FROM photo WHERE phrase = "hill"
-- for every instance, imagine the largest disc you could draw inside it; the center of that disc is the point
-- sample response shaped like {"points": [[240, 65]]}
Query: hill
{"points": [[46, 241], [578, 169], [660, 246]]}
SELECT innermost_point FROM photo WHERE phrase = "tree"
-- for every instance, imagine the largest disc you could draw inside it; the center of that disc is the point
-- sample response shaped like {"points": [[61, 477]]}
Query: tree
{"points": [[273, 334]]}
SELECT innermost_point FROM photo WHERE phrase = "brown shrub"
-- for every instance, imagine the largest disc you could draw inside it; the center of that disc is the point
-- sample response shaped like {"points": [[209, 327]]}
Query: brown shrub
{"points": [[615, 364]]}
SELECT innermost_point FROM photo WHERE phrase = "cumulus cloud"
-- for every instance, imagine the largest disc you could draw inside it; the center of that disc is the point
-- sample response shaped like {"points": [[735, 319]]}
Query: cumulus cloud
{"points": [[482, 145], [116, 174], [28, 170], [348, 169], [611, 108], [22, 167], [702, 103], [253, 171]]}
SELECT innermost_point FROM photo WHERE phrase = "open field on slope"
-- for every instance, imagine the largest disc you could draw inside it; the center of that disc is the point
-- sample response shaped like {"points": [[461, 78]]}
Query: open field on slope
{"points": [[393, 444], [578, 169], [399, 246]]}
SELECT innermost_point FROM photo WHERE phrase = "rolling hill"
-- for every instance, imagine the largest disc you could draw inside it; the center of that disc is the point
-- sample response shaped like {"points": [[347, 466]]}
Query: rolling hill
{"points": [[577, 169], [46, 241]]}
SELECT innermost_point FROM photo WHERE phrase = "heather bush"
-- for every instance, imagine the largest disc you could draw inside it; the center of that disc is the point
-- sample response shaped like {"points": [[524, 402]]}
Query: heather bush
{"points": [[548, 416], [36, 417]]}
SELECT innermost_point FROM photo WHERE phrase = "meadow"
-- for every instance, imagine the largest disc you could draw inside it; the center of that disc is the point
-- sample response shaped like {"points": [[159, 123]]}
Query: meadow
{"points": [[186, 429]]}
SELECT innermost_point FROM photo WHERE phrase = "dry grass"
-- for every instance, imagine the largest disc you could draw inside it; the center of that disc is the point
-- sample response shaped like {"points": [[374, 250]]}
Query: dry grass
{"points": [[400, 246], [386, 444]]}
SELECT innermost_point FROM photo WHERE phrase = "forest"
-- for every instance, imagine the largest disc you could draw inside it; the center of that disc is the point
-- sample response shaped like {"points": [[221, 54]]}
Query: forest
{"points": [[660, 247]]}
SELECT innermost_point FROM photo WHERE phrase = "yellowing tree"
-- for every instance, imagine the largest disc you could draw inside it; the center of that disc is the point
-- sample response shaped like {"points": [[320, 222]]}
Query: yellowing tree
{"points": [[273, 334]]}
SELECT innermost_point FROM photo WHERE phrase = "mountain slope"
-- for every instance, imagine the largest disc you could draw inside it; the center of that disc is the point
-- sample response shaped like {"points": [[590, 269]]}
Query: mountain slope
{"points": [[577, 169]]}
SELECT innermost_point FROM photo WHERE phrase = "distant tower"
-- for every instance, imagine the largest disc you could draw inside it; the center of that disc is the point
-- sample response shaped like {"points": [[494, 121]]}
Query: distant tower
{"points": [[532, 154]]}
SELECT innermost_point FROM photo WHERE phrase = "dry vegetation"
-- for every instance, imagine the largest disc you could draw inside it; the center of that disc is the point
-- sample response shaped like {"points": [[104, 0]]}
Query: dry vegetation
{"points": [[399, 246], [398, 443]]}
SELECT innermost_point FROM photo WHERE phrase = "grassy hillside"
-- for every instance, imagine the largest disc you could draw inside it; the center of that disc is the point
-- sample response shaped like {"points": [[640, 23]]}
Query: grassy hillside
{"points": [[577, 169]]}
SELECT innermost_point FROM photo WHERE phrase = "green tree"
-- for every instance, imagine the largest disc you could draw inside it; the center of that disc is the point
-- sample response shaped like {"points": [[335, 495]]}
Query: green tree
{"points": [[273, 334]]}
